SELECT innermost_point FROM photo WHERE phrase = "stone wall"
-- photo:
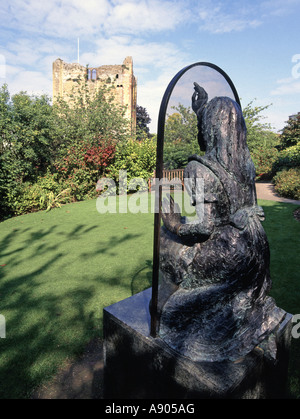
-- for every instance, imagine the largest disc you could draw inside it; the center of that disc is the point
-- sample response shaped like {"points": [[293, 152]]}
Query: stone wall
{"points": [[67, 79]]}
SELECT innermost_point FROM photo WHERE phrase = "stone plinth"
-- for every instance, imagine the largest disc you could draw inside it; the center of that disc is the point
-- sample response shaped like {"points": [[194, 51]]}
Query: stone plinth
{"points": [[138, 366]]}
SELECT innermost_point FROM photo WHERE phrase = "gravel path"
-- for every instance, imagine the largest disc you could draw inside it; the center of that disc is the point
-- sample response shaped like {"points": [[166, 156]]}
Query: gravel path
{"points": [[266, 190]]}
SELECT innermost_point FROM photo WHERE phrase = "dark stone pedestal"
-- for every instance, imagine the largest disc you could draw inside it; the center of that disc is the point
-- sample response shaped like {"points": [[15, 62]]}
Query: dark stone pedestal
{"points": [[139, 366]]}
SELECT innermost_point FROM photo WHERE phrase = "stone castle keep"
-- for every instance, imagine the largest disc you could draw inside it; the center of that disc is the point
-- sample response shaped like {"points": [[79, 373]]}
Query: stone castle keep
{"points": [[66, 77]]}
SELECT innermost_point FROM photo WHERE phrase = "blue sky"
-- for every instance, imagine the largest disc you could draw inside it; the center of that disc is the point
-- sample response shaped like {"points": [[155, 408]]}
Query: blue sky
{"points": [[257, 43]]}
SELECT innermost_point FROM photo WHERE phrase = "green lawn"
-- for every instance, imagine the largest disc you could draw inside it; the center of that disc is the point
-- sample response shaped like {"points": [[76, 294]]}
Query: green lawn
{"points": [[283, 232], [59, 269]]}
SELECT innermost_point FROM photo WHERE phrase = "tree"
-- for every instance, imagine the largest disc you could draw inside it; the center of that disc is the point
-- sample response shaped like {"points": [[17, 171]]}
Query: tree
{"points": [[25, 134], [138, 158], [180, 137], [83, 116], [142, 120], [25, 142], [6, 176], [87, 129], [287, 166], [290, 135], [71, 142], [259, 134], [261, 140]]}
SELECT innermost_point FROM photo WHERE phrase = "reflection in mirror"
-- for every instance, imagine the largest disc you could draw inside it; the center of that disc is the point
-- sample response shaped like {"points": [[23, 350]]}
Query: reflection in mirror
{"points": [[181, 131]]}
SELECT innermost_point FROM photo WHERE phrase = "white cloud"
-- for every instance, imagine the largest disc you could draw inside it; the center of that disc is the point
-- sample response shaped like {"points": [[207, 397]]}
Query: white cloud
{"points": [[36, 33], [219, 22], [219, 17], [32, 82], [76, 18], [113, 50], [28, 64], [152, 15], [224, 17], [287, 86], [22, 52], [35, 55], [224, 24], [154, 64], [150, 95], [54, 17], [71, 18], [276, 118], [278, 115], [278, 8], [279, 110]]}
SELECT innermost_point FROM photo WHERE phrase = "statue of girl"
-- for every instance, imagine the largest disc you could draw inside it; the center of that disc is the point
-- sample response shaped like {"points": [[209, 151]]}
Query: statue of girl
{"points": [[214, 272]]}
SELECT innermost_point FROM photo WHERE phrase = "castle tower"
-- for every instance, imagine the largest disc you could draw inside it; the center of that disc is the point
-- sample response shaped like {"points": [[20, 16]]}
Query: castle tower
{"points": [[67, 78]]}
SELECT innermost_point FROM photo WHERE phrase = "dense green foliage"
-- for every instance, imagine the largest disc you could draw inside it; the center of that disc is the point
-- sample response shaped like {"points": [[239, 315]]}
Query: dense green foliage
{"points": [[51, 155], [25, 143], [287, 183], [138, 158], [54, 154], [180, 137], [259, 134], [261, 141], [287, 165], [291, 133], [276, 157], [264, 160], [288, 158], [142, 120]]}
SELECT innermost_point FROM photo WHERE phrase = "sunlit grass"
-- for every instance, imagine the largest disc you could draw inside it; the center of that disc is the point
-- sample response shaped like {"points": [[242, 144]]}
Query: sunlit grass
{"points": [[58, 270], [283, 232]]}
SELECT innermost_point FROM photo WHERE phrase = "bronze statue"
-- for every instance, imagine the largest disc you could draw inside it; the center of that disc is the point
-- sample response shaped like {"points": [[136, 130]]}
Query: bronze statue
{"points": [[214, 273]]}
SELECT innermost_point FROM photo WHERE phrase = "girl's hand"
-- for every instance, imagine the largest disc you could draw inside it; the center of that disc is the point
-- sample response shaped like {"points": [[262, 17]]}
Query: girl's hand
{"points": [[171, 214]]}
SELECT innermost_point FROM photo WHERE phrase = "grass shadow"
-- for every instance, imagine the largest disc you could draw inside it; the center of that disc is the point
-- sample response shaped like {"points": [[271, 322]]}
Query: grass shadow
{"points": [[57, 274], [58, 271], [283, 232]]}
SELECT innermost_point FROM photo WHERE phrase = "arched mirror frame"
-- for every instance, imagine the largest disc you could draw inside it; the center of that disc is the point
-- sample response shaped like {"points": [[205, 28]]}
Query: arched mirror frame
{"points": [[159, 175]]}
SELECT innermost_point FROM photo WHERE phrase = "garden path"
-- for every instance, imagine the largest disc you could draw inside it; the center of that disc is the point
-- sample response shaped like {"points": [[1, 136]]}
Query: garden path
{"points": [[266, 190]]}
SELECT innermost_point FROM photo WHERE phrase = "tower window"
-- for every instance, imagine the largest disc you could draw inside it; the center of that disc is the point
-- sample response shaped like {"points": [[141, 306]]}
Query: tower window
{"points": [[89, 74], [94, 74]]}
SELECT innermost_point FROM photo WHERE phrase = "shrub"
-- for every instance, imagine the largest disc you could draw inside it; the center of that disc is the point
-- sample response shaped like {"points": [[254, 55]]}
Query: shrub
{"points": [[287, 183], [74, 135], [82, 165], [138, 158], [264, 159], [24, 198], [82, 184], [290, 157], [45, 194], [291, 132]]}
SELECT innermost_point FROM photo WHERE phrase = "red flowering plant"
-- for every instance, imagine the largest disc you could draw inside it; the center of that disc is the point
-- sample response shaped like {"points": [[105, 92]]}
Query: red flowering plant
{"points": [[263, 159], [83, 163]]}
